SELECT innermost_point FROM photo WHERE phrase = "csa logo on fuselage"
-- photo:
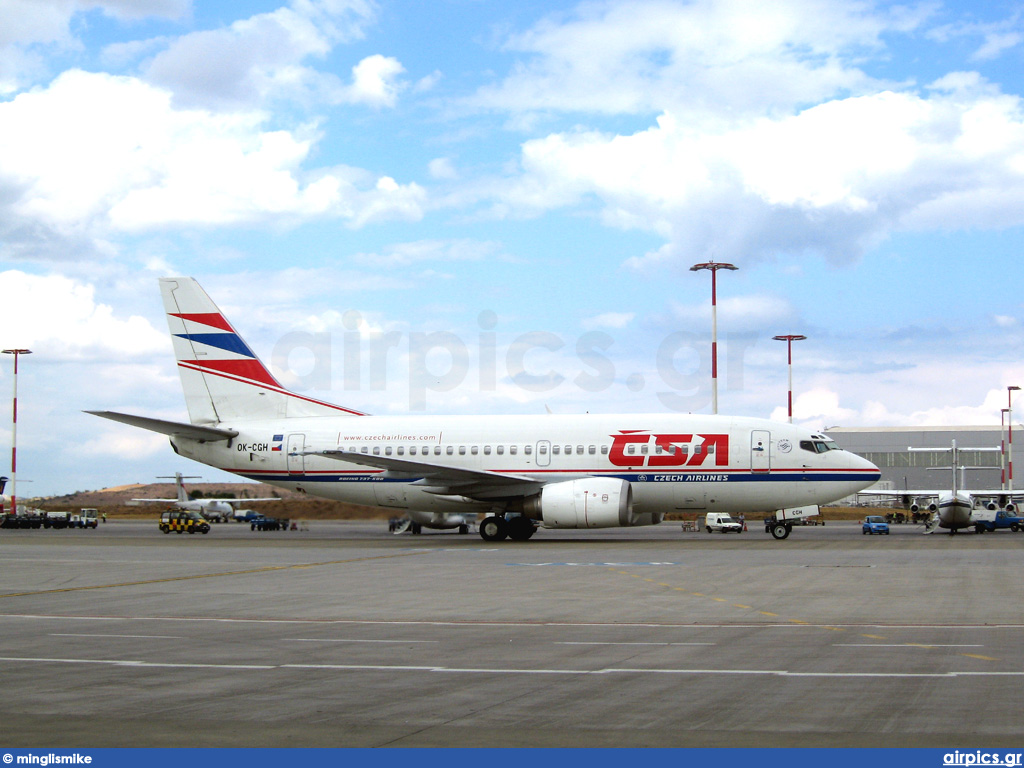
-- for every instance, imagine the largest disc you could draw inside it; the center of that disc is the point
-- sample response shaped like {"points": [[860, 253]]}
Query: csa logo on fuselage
{"points": [[627, 449]]}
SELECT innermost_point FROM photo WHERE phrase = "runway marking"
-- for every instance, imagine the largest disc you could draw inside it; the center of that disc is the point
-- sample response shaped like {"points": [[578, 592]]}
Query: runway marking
{"points": [[610, 642], [905, 645], [247, 571], [134, 637], [436, 669], [354, 640], [137, 663], [510, 623]]}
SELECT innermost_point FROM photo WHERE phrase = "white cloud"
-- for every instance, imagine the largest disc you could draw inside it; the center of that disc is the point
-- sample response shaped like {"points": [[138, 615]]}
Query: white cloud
{"points": [[608, 320], [28, 24], [98, 154], [374, 82], [708, 57], [407, 254], [261, 57], [61, 319], [832, 179]]}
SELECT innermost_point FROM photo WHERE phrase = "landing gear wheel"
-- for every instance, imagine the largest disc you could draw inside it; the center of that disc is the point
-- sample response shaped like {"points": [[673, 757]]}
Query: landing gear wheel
{"points": [[463, 529], [520, 528], [780, 531], [493, 528]]}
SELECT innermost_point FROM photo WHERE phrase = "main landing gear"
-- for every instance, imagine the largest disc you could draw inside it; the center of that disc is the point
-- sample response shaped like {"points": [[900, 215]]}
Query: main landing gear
{"points": [[496, 528]]}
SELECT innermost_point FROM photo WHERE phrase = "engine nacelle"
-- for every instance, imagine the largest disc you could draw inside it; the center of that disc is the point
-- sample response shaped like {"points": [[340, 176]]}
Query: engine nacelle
{"points": [[1011, 508], [915, 507], [590, 502], [991, 506]]}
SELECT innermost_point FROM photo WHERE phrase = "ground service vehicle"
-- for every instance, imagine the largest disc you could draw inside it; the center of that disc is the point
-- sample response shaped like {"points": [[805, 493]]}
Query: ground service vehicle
{"points": [[874, 524], [183, 521], [263, 523], [721, 522], [780, 524], [991, 519]]}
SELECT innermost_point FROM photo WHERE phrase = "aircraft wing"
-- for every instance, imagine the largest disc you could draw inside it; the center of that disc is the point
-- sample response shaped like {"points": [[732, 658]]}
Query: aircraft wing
{"points": [[199, 501], [443, 480], [919, 494]]}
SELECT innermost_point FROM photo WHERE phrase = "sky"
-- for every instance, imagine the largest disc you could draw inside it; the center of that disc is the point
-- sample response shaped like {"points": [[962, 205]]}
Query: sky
{"points": [[476, 207]]}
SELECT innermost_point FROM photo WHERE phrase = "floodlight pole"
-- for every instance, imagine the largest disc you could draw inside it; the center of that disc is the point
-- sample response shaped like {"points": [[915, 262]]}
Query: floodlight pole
{"points": [[713, 267], [1009, 437], [1002, 448], [14, 428], [789, 339]]}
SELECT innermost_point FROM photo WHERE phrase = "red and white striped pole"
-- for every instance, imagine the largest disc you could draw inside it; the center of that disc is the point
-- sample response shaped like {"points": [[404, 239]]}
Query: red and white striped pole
{"points": [[789, 339], [1009, 439], [714, 266], [14, 429]]}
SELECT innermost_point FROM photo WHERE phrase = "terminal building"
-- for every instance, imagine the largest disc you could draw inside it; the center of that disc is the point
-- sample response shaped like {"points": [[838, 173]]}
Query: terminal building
{"points": [[902, 469]]}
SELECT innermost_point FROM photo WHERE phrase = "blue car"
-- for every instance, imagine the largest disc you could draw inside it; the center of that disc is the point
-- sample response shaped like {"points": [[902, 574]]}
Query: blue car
{"points": [[874, 524]]}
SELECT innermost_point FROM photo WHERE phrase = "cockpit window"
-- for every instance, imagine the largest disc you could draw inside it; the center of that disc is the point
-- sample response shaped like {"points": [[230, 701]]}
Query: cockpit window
{"points": [[819, 446]]}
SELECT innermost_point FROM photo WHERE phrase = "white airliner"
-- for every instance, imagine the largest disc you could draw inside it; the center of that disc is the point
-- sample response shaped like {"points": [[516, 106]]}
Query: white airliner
{"points": [[223, 509], [951, 508], [555, 471]]}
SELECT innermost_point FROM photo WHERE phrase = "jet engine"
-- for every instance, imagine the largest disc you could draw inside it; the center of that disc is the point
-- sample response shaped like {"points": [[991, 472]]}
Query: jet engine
{"points": [[590, 502]]}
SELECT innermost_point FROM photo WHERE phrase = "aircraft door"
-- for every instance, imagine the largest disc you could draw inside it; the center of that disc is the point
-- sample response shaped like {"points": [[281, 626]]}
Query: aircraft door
{"points": [[296, 461], [543, 453], [760, 450]]}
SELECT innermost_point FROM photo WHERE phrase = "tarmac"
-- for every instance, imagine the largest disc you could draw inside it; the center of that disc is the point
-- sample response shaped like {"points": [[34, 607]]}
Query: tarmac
{"points": [[343, 635]]}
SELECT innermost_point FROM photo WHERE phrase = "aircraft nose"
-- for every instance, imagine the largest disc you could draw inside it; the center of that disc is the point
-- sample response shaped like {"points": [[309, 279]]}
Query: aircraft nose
{"points": [[871, 473]]}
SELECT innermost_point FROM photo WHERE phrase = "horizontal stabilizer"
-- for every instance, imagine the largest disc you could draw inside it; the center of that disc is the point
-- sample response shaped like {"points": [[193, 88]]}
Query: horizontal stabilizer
{"points": [[169, 428]]}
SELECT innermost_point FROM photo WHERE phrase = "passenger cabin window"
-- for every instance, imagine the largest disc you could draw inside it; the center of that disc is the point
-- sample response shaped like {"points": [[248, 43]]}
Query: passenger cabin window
{"points": [[475, 450], [527, 449], [387, 451], [450, 450], [592, 450], [555, 449], [604, 450], [501, 450], [437, 450], [401, 450], [462, 450], [487, 450], [512, 449], [579, 450]]}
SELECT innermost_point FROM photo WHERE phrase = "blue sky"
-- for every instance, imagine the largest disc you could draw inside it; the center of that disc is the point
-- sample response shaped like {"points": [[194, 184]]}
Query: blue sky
{"points": [[476, 207]]}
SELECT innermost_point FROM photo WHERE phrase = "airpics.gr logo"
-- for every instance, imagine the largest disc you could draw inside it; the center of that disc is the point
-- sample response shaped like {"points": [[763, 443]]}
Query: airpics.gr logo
{"points": [[672, 450]]}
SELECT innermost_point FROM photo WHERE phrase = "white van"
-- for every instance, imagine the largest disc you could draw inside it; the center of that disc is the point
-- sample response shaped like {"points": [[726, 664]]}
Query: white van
{"points": [[721, 522]]}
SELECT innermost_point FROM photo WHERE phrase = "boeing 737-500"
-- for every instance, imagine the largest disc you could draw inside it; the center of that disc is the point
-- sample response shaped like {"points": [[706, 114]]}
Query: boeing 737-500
{"points": [[517, 472]]}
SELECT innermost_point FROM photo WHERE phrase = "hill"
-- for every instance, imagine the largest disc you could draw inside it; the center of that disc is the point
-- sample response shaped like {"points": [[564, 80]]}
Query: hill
{"points": [[116, 501]]}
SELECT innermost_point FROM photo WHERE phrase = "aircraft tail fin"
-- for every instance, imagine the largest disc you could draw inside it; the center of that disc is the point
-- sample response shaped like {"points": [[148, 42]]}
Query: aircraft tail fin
{"points": [[222, 378]]}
